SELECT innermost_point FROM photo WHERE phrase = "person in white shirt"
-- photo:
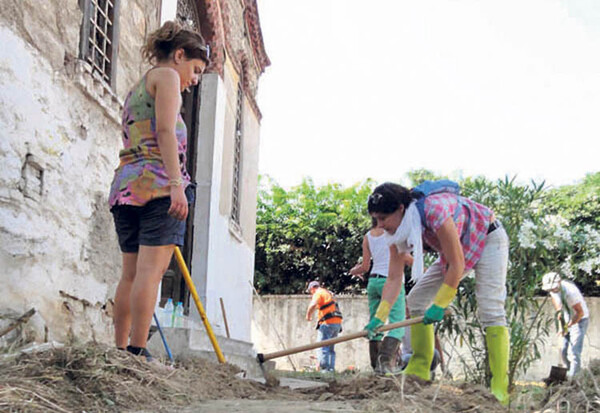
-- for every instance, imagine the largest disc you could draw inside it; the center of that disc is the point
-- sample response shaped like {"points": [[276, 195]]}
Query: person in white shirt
{"points": [[574, 316], [383, 351]]}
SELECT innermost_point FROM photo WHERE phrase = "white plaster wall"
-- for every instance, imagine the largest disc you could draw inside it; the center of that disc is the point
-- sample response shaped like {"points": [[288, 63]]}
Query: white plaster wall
{"points": [[222, 265], [230, 269], [168, 10], [230, 265], [55, 233], [211, 120], [282, 317]]}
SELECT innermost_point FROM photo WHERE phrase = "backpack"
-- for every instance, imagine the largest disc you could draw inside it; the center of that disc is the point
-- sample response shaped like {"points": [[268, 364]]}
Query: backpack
{"points": [[434, 187]]}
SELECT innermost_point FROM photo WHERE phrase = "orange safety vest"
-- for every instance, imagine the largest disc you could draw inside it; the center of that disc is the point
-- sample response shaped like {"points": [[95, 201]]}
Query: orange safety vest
{"points": [[329, 311]]}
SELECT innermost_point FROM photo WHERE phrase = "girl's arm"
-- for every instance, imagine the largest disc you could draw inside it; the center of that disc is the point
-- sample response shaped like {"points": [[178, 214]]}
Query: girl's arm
{"points": [[395, 279], [447, 234], [363, 267], [167, 102], [453, 252], [391, 290]]}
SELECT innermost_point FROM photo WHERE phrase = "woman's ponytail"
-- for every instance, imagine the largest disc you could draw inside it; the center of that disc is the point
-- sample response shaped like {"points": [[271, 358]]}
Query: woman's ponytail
{"points": [[388, 197]]}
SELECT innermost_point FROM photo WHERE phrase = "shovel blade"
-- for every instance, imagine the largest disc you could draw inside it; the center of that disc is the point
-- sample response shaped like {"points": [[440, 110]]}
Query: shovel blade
{"points": [[558, 374]]}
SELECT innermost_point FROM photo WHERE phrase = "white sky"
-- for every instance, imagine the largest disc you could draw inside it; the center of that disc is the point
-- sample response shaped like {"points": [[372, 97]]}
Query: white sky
{"points": [[361, 89]]}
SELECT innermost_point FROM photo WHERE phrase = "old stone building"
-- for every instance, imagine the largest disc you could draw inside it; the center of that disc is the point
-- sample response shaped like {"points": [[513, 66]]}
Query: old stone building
{"points": [[65, 67]]}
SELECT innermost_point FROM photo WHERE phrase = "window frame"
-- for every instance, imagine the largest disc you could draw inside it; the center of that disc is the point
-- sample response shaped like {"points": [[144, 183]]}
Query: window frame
{"points": [[113, 37], [236, 184]]}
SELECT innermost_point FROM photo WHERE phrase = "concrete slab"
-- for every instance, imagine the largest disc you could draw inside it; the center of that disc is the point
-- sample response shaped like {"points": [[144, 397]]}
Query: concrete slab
{"points": [[290, 382], [262, 406], [300, 384]]}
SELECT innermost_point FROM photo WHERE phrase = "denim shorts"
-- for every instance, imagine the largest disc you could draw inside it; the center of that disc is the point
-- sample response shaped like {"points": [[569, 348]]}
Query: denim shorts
{"points": [[150, 224]]}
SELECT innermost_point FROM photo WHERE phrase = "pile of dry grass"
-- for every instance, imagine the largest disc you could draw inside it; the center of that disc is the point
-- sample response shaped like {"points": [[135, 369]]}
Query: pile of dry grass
{"points": [[96, 377], [404, 394]]}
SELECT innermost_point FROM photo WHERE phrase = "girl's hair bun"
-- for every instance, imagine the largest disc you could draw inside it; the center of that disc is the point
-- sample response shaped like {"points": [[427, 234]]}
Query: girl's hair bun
{"points": [[172, 36]]}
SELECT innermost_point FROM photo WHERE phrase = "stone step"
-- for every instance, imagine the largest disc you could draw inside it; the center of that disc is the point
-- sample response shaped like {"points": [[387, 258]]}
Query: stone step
{"points": [[191, 342]]}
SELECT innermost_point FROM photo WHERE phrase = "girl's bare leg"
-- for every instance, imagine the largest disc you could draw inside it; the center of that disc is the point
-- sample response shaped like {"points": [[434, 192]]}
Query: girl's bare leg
{"points": [[122, 309], [151, 265]]}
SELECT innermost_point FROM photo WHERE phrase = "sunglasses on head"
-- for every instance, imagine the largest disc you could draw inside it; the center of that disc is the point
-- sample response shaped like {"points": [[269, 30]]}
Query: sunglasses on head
{"points": [[375, 198]]}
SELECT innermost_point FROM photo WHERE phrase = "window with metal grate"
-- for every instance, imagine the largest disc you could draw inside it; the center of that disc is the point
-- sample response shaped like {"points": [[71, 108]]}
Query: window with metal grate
{"points": [[187, 14], [99, 37], [237, 158]]}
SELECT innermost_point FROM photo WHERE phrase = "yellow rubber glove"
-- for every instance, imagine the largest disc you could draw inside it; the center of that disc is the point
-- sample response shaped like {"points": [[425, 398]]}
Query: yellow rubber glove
{"points": [[444, 296], [383, 311]]}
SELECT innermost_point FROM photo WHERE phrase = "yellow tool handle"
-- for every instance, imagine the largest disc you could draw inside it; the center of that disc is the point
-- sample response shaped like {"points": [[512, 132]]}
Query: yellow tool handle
{"points": [[190, 284]]}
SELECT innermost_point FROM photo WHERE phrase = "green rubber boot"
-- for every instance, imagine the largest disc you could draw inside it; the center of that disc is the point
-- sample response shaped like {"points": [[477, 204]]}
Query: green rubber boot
{"points": [[498, 344], [422, 343]]}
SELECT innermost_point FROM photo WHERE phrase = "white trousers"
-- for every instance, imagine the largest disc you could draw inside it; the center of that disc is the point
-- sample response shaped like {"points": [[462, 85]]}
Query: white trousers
{"points": [[490, 282]]}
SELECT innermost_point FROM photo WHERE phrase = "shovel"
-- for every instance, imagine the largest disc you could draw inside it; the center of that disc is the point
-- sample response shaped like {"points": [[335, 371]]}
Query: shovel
{"points": [[558, 374]]}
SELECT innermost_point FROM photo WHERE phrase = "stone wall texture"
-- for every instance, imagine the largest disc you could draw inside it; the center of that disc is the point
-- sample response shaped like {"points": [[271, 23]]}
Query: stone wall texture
{"points": [[59, 146], [60, 138]]}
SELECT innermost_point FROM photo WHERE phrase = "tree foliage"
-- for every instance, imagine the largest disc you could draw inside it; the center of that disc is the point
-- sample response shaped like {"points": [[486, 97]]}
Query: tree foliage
{"points": [[308, 233], [579, 204]]}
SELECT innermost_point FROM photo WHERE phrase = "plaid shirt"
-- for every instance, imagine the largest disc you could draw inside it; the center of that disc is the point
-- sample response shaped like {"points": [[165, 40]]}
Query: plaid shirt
{"points": [[472, 223]]}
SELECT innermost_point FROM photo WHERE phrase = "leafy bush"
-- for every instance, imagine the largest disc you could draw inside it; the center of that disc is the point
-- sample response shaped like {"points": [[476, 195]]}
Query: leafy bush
{"points": [[308, 233]]}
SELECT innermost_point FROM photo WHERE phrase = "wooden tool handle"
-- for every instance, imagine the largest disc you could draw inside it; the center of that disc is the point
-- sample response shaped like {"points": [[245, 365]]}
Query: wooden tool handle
{"points": [[340, 339]]}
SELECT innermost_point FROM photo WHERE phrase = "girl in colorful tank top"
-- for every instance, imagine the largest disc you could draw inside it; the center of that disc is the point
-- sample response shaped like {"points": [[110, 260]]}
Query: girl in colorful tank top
{"points": [[141, 175], [151, 188]]}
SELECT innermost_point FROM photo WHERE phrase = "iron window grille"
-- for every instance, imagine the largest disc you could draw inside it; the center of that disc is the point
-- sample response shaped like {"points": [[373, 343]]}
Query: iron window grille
{"points": [[99, 37], [237, 158], [187, 14]]}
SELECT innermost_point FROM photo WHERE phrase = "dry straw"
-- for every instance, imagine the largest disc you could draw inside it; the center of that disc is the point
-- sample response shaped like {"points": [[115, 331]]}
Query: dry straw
{"points": [[96, 377]]}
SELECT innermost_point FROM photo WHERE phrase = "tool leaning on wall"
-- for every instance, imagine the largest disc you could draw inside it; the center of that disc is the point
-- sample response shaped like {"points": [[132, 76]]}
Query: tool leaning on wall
{"points": [[194, 293]]}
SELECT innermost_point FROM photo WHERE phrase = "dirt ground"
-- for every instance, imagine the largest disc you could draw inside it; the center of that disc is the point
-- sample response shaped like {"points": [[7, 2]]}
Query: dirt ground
{"points": [[96, 378]]}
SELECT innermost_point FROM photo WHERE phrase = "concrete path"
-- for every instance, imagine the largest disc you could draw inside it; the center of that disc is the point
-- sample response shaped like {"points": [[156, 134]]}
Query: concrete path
{"points": [[299, 383], [262, 406]]}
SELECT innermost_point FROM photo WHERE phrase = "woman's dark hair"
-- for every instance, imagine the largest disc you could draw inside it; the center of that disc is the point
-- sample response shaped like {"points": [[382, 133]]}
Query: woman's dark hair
{"points": [[170, 37], [373, 222], [388, 197]]}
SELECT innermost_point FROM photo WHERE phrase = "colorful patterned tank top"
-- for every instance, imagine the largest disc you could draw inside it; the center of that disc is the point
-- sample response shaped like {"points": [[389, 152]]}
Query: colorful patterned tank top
{"points": [[141, 175]]}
